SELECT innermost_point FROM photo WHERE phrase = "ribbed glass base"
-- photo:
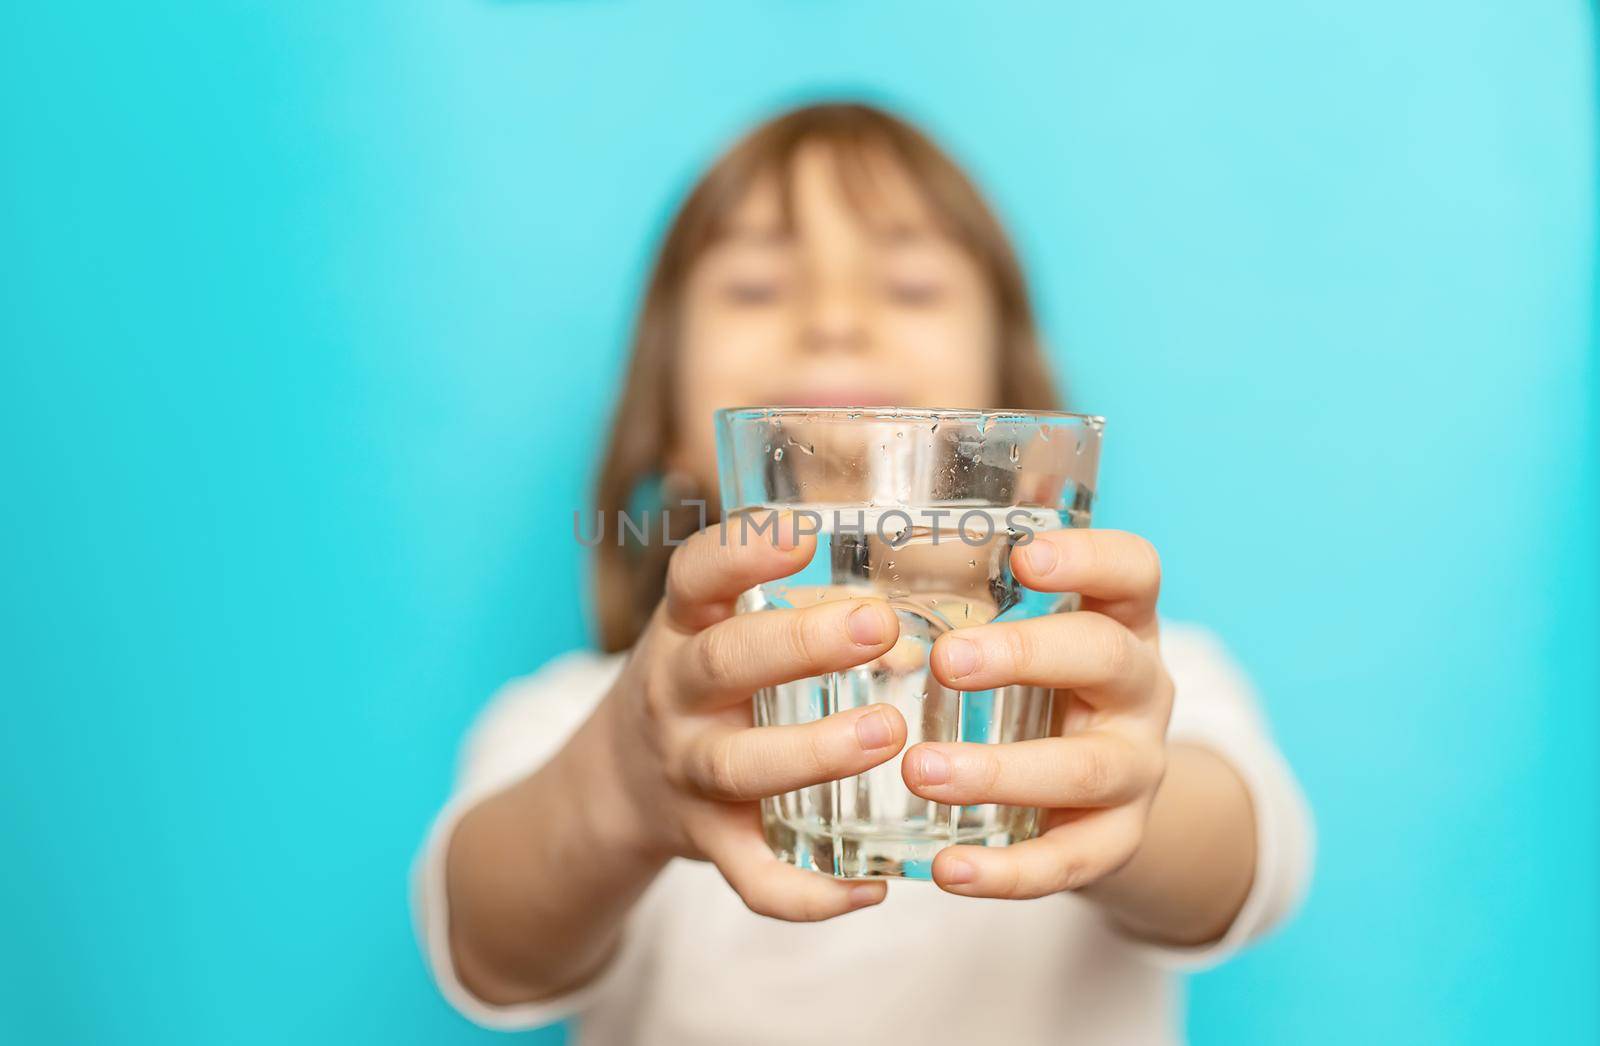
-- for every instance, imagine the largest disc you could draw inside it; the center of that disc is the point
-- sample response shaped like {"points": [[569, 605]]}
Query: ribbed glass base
{"points": [[866, 850]]}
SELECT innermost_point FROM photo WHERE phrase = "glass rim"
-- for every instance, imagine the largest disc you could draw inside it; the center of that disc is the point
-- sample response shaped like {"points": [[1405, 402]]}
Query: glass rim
{"points": [[911, 414]]}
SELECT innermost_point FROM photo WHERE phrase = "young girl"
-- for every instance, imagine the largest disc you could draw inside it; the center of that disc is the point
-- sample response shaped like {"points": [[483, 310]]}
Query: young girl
{"points": [[603, 855]]}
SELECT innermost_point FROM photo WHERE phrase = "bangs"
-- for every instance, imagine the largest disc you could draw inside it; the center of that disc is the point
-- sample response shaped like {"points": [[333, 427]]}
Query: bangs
{"points": [[872, 169], [872, 179]]}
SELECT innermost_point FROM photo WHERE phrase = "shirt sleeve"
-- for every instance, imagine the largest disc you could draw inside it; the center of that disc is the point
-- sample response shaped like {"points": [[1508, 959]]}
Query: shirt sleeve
{"points": [[1215, 707], [526, 723]]}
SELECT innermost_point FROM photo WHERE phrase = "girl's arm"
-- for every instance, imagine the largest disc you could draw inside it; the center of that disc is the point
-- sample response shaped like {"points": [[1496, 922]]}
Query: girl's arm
{"points": [[540, 876], [1163, 836], [1192, 871]]}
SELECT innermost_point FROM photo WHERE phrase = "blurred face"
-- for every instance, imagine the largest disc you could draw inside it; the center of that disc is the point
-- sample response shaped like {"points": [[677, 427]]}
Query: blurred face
{"points": [[844, 310]]}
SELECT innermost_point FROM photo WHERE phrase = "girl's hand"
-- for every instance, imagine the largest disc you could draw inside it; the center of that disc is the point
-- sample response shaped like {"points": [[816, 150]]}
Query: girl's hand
{"points": [[693, 766], [1097, 780]]}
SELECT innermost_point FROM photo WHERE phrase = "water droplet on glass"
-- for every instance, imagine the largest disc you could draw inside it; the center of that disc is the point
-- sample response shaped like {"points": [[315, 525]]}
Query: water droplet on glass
{"points": [[899, 435], [1079, 448], [1016, 452], [777, 455], [972, 562]]}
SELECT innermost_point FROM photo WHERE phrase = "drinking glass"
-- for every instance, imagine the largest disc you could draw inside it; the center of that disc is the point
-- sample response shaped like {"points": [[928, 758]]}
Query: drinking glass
{"points": [[922, 508]]}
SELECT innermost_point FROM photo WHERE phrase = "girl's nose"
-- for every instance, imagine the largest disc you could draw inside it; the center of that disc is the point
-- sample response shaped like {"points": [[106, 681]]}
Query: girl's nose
{"points": [[834, 321]]}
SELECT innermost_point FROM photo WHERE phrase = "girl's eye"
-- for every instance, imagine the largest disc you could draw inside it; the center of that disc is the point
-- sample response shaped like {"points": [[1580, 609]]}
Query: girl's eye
{"points": [[752, 292], [915, 292]]}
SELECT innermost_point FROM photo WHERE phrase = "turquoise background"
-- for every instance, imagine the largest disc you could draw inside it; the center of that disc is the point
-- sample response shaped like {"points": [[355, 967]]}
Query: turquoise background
{"points": [[309, 312]]}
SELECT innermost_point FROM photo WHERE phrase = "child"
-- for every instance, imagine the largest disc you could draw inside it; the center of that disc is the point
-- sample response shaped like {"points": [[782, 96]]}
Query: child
{"points": [[603, 855]]}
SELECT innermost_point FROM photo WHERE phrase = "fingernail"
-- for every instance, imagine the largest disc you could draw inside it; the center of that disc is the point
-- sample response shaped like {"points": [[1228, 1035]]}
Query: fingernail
{"points": [[932, 767], [960, 656], [786, 533], [865, 625], [958, 871], [873, 731], [863, 895], [1042, 555]]}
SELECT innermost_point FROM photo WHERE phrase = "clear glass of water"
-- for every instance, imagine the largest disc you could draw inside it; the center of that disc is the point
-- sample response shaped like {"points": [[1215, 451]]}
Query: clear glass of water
{"points": [[922, 508]]}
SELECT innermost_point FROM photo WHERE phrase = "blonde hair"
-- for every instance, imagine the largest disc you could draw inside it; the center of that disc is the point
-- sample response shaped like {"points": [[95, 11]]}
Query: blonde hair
{"points": [[629, 578]]}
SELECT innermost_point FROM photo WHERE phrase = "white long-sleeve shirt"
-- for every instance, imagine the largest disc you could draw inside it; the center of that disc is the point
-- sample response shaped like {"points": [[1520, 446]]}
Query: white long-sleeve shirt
{"points": [[697, 967]]}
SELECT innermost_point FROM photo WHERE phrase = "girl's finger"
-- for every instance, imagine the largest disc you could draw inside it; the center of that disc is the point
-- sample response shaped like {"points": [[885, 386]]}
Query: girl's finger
{"points": [[772, 888], [1067, 857], [1085, 770], [731, 659], [1083, 651], [743, 763], [1117, 573], [709, 571]]}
